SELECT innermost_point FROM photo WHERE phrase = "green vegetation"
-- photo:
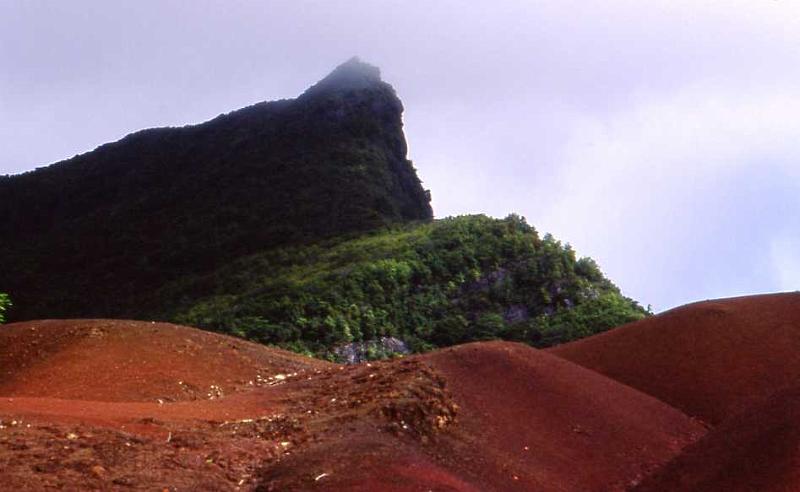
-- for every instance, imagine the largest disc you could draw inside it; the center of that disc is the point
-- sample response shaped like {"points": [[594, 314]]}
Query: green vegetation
{"points": [[432, 285], [5, 303]]}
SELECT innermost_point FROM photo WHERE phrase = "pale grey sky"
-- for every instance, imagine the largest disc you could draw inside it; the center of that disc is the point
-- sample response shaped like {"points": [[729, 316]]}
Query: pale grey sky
{"points": [[659, 137]]}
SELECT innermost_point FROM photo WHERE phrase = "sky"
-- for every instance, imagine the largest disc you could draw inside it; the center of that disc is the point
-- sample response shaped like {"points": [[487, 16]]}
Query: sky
{"points": [[661, 138]]}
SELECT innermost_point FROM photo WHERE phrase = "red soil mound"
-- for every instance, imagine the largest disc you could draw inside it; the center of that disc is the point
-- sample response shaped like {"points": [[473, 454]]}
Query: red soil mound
{"points": [[756, 450], [532, 421], [523, 420], [115, 360], [710, 359], [239, 441], [494, 416]]}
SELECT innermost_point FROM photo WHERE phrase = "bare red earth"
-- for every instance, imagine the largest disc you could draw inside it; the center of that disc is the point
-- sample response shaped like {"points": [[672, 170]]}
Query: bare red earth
{"points": [[104, 405], [118, 360], [710, 359], [532, 421], [525, 420], [758, 450]]}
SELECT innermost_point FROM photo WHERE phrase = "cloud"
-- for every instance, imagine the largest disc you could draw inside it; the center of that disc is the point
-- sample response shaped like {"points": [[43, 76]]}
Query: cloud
{"points": [[785, 255], [648, 189]]}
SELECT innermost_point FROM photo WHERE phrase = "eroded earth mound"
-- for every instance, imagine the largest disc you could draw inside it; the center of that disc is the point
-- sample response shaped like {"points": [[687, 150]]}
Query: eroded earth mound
{"points": [[117, 360], [758, 449], [107, 404], [78, 411], [710, 359]]}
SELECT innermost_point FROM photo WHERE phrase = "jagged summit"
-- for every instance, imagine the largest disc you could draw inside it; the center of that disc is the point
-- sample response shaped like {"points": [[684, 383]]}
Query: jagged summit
{"points": [[354, 74]]}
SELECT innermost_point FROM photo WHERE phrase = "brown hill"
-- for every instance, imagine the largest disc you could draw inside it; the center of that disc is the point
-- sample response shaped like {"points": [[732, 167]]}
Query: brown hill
{"points": [[525, 420], [710, 359], [116, 360], [756, 450], [487, 416], [552, 424]]}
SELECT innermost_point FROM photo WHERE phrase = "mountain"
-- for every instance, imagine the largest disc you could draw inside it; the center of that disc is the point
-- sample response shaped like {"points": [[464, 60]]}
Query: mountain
{"points": [[93, 235], [301, 224], [295, 223]]}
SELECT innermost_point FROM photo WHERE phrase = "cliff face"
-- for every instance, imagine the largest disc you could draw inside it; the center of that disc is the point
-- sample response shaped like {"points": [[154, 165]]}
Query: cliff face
{"points": [[91, 235]]}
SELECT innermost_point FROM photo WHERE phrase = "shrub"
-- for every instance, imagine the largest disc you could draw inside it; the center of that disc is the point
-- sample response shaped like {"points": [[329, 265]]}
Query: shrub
{"points": [[5, 303]]}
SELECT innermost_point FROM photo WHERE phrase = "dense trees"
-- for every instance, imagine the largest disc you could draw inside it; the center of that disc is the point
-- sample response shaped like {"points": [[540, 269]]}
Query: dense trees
{"points": [[435, 284]]}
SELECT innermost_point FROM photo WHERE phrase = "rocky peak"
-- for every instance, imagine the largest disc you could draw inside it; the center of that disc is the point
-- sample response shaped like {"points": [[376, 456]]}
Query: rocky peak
{"points": [[353, 74]]}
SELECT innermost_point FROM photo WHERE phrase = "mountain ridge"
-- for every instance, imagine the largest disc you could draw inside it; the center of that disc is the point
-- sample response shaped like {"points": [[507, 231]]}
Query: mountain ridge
{"points": [[274, 173], [349, 69]]}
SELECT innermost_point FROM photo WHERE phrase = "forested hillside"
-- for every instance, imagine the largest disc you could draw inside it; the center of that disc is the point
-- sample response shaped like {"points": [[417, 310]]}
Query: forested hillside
{"points": [[431, 285]]}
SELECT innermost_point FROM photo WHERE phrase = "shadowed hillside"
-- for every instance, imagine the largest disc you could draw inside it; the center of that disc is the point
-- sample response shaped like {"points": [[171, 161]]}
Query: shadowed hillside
{"points": [[758, 449], [91, 235], [711, 359]]}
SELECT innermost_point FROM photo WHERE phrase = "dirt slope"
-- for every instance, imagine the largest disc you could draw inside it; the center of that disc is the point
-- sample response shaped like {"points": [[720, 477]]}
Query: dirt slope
{"points": [[117, 360], [710, 359], [491, 416], [525, 420], [758, 450], [554, 425]]}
